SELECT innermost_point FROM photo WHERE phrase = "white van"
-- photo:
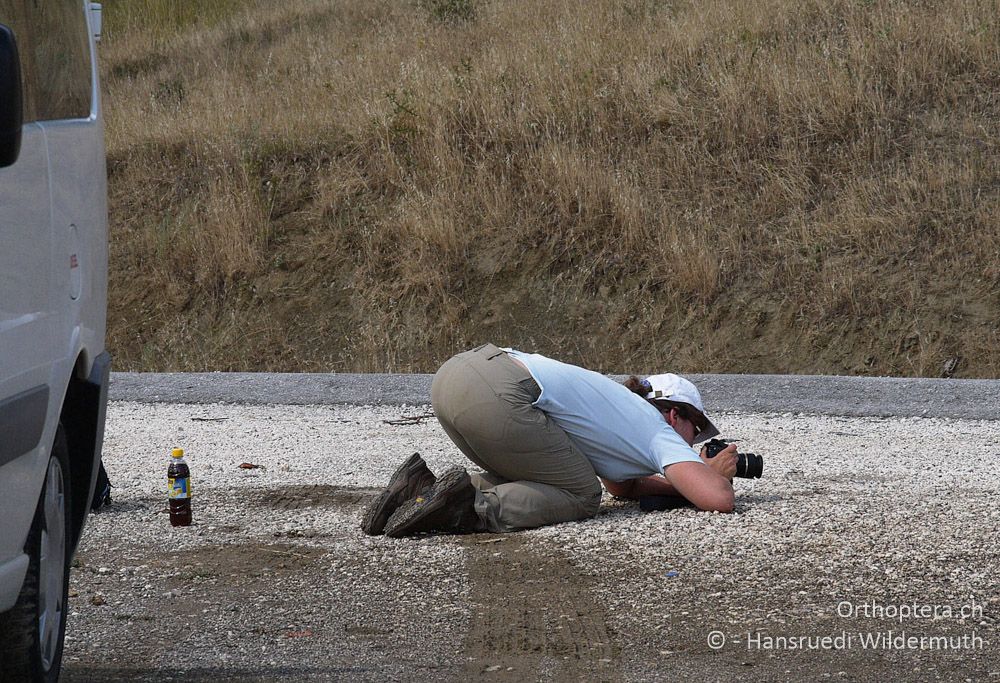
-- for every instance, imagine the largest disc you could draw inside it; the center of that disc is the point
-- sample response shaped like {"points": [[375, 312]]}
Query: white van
{"points": [[53, 302]]}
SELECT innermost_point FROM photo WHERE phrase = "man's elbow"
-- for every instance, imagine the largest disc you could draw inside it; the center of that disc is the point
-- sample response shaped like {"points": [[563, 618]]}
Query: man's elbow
{"points": [[620, 489], [723, 501]]}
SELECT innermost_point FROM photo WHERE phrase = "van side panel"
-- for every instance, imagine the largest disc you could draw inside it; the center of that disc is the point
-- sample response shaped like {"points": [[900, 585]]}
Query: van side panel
{"points": [[25, 257], [79, 223], [78, 180], [53, 267], [31, 332]]}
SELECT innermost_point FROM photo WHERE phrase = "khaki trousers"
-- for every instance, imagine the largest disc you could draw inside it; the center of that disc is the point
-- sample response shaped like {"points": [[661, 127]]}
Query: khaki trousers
{"points": [[533, 474]]}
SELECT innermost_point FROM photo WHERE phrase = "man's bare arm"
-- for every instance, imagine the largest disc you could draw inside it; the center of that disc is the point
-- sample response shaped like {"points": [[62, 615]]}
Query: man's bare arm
{"points": [[654, 485]]}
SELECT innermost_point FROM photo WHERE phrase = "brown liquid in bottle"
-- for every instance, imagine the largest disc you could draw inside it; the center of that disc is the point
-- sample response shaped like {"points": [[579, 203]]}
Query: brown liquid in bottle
{"points": [[179, 476]]}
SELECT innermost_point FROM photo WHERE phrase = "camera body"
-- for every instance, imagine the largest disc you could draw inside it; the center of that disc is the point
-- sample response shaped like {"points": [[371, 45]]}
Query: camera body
{"points": [[748, 465]]}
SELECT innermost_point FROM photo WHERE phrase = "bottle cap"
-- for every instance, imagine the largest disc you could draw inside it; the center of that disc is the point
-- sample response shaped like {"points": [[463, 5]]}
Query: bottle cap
{"points": [[177, 453]]}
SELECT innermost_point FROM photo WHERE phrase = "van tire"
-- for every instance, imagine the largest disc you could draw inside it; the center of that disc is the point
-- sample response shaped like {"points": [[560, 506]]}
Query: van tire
{"points": [[32, 632]]}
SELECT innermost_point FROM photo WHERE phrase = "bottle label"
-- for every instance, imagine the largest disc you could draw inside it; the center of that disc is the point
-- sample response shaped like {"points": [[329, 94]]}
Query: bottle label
{"points": [[179, 487]]}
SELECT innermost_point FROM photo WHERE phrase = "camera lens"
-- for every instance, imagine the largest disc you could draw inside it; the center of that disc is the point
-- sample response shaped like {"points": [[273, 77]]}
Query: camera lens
{"points": [[749, 466]]}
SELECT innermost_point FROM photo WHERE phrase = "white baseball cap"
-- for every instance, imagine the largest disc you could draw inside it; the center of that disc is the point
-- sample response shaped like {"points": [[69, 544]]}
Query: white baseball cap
{"points": [[671, 387]]}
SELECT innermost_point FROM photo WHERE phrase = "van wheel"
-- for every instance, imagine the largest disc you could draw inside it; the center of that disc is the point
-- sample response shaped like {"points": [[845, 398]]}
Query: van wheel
{"points": [[31, 633]]}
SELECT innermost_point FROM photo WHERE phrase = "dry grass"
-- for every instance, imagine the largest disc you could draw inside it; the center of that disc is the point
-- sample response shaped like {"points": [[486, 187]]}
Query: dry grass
{"points": [[762, 186]]}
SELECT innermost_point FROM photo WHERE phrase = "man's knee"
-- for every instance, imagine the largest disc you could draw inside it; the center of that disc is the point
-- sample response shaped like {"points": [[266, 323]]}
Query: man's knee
{"points": [[591, 498]]}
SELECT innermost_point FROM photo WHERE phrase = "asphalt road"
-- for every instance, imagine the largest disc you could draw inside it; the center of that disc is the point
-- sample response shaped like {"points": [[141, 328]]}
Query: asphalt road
{"points": [[811, 394]]}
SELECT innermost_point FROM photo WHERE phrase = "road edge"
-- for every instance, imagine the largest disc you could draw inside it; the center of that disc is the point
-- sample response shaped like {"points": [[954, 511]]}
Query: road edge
{"points": [[975, 399]]}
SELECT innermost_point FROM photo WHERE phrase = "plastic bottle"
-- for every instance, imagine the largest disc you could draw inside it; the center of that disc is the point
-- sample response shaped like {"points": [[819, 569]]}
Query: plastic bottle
{"points": [[179, 489]]}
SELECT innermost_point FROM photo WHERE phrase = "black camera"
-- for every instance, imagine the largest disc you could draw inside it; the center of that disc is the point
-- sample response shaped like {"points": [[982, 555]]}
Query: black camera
{"points": [[748, 465]]}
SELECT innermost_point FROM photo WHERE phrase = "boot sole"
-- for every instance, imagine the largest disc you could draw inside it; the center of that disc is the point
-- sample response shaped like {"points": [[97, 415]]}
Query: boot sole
{"points": [[412, 512], [379, 510]]}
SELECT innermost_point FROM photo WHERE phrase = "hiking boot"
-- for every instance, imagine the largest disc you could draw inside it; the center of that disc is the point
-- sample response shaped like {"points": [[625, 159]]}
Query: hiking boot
{"points": [[409, 479], [448, 506]]}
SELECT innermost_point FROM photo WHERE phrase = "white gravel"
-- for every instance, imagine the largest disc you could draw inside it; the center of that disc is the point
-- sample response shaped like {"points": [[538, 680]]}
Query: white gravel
{"points": [[849, 510]]}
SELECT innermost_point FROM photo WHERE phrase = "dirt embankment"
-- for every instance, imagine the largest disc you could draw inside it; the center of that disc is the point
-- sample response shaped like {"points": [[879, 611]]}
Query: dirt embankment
{"points": [[763, 187]]}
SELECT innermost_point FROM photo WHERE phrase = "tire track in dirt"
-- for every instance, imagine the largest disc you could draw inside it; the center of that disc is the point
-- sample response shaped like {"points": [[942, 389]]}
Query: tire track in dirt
{"points": [[319, 495], [535, 616]]}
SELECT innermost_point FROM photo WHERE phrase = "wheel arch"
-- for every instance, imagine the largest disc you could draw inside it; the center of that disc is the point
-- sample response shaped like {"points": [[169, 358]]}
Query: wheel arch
{"points": [[82, 417]]}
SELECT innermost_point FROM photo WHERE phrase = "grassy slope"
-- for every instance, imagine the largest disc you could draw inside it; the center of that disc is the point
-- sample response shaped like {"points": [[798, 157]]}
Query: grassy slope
{"points": [[759, 186]]}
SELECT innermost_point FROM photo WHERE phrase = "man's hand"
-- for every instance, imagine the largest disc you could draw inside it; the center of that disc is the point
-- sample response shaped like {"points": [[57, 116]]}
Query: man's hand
{"points": [[724, 463]]}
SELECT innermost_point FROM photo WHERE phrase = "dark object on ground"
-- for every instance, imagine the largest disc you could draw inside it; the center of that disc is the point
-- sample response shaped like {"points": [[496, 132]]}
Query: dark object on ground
{"points": [[102, 490], [661, 503]]}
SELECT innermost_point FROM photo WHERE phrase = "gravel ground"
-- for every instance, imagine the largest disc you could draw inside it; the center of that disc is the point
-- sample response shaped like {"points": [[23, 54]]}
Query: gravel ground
{"points": [[861, 527]]}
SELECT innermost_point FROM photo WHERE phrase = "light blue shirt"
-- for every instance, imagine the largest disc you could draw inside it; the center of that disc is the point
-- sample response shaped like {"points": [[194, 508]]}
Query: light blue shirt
{"points": [[622, 435]]}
